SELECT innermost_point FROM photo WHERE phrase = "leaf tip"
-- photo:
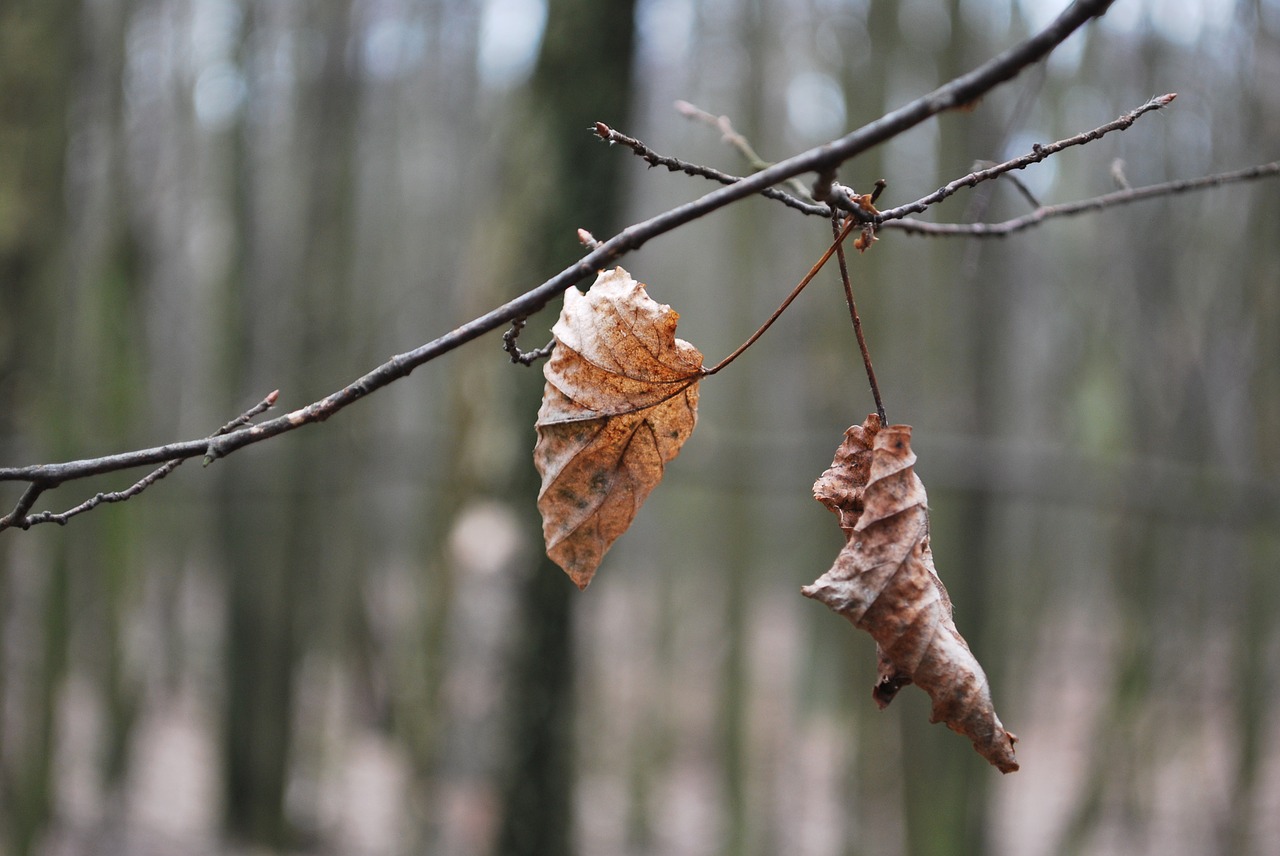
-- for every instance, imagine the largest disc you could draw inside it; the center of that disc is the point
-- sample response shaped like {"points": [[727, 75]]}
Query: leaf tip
{"points": [[1003, 759]]}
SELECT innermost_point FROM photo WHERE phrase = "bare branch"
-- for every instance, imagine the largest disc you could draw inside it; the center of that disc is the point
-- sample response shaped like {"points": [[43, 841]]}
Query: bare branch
{"points": [[826, 179], [820, 159], [20, 519], [674, 164], [1037, 154], [1097, 203], [18, 516]]}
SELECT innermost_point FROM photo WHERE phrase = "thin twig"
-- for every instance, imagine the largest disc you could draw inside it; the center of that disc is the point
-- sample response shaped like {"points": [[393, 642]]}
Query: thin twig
{"points": [[1021, 187], [1037, 154], [825, 189], [824, 186], [18, 516], [248, 416], [857, 322], [1096, 203], [727, 133], [955, 93], [20, 519], [1118, 176], [877, 189], [510, 345], [673, 164], [740, 143]]}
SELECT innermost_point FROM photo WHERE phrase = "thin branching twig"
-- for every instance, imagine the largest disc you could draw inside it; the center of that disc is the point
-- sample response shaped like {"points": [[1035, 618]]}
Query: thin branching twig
{"points": [[1096, 203], [1037, 154], [18, 518], [820, 159], [673, 164], [727, 133], [740, 143], [899, 217], [510, 344]]}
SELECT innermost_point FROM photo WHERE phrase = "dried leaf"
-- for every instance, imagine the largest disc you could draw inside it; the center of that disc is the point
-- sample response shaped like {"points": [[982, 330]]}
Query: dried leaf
{"points": [[621, 398], [885, 583]]}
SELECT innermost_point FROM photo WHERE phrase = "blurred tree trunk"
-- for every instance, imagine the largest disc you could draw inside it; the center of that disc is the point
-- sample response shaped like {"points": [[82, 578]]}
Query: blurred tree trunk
{"points": [[38, 49], [946, 811], [280, 549], [107, 371], [737, 524], [583, 75]]}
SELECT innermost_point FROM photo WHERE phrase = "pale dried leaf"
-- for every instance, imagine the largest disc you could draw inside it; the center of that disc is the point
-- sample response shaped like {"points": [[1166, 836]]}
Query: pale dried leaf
{"points": [[621, 399], [885, 583]]}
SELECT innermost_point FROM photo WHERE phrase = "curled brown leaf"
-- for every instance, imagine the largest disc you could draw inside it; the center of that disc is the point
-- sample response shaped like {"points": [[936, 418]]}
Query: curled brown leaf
{"points": [[885, 583], [620, 400]]}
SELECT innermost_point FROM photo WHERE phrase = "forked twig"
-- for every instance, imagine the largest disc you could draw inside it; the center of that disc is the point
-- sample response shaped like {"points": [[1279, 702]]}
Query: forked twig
{"points": [[731, 136], [727, 133], [18, 518], [898, 217], [1096, 203], [823, 159], [510, 344], [1037, 154]]}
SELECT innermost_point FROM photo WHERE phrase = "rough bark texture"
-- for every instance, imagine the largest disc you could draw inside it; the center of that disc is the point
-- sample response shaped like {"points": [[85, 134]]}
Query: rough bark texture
{"points": [[583, 75]]}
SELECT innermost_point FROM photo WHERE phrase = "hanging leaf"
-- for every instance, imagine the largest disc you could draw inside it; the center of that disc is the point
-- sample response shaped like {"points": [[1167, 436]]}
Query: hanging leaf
{"points": [[885, 583], [621, 398]]}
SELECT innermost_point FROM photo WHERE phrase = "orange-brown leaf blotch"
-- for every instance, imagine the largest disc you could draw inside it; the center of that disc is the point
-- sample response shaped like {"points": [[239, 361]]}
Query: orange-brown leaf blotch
{"points": [[885, 583], [621, 398]]}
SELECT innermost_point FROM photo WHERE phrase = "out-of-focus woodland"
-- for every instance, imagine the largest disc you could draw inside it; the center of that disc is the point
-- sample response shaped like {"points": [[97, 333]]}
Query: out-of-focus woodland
{"points": [[347, 639]]}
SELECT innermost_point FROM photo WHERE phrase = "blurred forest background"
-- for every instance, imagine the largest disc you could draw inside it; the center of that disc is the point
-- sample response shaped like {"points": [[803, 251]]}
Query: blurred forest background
{"points": [[346, 640]]}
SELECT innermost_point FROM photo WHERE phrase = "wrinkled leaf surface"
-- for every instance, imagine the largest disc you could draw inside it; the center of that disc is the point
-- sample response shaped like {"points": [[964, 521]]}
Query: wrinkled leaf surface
{"points": [[621, 398], [885, 583]]}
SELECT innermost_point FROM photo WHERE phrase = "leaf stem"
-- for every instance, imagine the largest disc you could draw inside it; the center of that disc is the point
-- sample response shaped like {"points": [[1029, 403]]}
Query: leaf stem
{"points": [[795, 292], [853, 307]]}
